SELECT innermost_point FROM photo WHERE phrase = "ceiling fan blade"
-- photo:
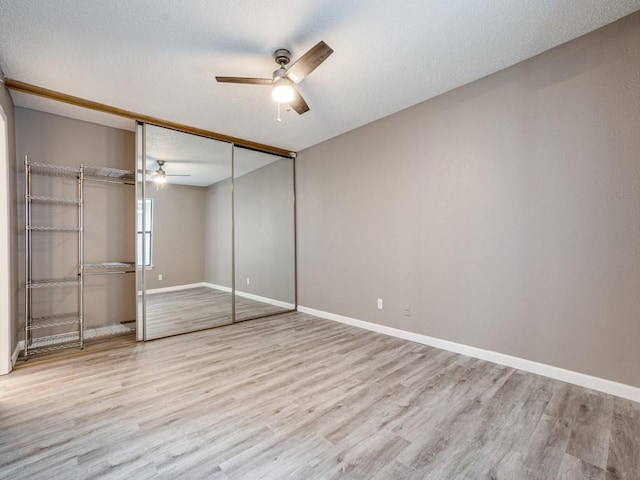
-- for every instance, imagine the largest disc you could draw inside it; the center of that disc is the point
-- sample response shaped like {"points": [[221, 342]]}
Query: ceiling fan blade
{"points": [[177, 175], [298, 103], [246, 80], [308, 62]]}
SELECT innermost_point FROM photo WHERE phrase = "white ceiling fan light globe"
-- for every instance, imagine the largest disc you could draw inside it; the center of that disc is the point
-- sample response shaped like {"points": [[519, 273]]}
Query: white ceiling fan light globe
{"points": [[160, 181], [283, 91]]}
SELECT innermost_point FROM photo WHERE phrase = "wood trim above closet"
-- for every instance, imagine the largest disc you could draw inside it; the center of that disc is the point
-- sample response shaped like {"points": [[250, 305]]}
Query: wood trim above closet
{"points": [[101, 107]]}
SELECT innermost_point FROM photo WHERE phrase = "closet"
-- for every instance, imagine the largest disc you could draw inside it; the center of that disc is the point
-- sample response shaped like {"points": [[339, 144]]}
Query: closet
{"points": [[50, 322], [216, 233], [110, 249]]}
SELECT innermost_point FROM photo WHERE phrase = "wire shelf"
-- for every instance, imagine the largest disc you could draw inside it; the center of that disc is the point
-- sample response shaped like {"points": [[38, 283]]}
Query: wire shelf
{"points": [[72, 202], [102, 173], [36, 351], [56, 320], [108, 265], [54, 343], [90, 172], [42, 228], [53, 282], [53, 170], [56, 339]]}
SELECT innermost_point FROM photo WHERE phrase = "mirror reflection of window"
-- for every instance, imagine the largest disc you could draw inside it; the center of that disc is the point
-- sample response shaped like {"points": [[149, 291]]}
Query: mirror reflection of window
{"points": [[146, 233]]}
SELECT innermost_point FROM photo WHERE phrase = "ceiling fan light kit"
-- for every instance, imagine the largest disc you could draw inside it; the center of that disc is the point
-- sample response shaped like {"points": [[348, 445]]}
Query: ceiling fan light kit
{"points": [[159, 176], [283, 89], [160, 181]]}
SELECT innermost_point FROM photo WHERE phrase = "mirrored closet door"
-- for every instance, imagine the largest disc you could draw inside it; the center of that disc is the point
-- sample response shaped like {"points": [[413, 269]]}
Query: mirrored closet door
{"points": [[264, 234], [189, 190]]}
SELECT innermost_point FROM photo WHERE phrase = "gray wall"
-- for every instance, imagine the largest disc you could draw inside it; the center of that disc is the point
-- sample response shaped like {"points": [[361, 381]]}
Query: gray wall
{"points": [[218, 257], [264, 232], [109, 212], [506, 213], [7, 106], [178, 235]]}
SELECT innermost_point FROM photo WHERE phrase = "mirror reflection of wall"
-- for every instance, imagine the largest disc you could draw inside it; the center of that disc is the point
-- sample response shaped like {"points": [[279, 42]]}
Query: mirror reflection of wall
{"points": [[264, 234], [200, 194]]}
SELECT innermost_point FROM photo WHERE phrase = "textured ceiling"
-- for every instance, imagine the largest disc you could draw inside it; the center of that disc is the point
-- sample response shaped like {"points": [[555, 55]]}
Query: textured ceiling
{"points": [[203, 161], [159, 57]]}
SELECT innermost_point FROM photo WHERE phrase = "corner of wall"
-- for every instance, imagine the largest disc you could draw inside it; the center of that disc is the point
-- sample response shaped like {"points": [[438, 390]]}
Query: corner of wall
{"points": [[14, 287]]}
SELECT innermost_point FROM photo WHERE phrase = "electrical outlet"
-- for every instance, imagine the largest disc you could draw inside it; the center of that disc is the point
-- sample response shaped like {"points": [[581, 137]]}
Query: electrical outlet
{"points": [[160, 277], [407, 311], [248, 281], [380, 304]]}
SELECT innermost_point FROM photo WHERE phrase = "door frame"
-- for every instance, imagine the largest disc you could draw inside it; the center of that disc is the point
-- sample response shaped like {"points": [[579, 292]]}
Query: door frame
{"points": [[5, 239]]}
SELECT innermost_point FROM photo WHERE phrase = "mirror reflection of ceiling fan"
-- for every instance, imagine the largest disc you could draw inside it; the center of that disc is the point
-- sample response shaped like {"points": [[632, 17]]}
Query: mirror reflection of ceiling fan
{"points": [[159, 176], [283, 79]]}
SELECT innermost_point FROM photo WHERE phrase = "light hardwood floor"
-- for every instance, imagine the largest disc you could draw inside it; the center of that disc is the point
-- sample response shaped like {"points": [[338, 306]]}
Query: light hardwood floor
{"points": [[294, 396], [189, 310]]}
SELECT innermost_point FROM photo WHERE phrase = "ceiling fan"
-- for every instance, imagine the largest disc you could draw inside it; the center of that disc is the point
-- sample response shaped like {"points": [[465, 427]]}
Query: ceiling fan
{"points": [[283, 79], [159, 176]]}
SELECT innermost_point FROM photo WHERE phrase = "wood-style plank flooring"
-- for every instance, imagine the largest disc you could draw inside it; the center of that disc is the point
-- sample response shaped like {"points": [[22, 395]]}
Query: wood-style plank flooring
{"points": [[294, 396], [189, 310]]}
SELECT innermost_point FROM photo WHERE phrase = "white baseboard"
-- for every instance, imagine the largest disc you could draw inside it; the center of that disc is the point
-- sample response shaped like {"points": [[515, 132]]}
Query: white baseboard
{"points": [[217, 287], [251, 296], [576, 378], [270, 301], [175, 288]]}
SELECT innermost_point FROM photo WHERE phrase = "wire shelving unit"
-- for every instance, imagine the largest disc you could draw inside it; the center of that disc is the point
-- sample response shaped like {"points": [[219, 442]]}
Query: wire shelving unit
{"points": [[56, 331]]}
